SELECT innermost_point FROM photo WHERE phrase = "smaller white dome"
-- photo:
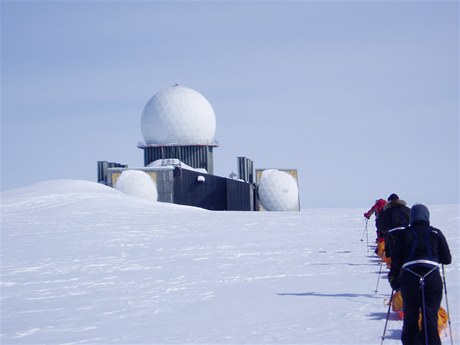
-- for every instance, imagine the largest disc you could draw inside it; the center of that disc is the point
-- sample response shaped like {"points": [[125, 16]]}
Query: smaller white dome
{"points": [[278, 191], [178, 115], [138, 184]]}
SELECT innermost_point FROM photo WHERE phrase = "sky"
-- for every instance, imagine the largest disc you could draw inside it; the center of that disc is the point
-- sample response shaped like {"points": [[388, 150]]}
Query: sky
{"points": [[361, 97]]}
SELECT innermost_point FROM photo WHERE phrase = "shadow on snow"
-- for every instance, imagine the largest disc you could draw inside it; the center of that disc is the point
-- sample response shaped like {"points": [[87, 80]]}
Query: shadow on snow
{"points": [[318, 294]]}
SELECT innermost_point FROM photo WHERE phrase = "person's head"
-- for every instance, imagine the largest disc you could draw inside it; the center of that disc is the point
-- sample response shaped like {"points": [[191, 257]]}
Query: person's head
{"points": [[393, 197], [381, 202], [419, 213]]}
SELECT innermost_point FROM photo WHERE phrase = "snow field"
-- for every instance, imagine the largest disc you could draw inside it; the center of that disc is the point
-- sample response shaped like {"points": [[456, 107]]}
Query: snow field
{"points": [[82, 263]]}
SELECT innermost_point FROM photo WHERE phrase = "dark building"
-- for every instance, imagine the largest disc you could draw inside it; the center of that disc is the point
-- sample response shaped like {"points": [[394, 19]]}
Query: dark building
{"points": [[212, 192], [192, 188]]}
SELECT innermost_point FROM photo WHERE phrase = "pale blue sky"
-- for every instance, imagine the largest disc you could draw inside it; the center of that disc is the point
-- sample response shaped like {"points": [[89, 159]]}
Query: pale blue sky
{"points": [[362, 97]]}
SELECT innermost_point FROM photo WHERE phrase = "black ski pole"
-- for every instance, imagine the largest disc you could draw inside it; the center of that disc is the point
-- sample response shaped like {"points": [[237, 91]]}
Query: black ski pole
{"points": [[388, 315], [422, 284], [364, 231], [378, 278], [367, 236], [447, 304]]}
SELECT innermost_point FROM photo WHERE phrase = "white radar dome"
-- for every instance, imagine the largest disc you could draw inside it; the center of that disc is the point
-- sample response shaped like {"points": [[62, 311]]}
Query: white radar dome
{"points": [[178, 115], [138, 184], [278, 191]]}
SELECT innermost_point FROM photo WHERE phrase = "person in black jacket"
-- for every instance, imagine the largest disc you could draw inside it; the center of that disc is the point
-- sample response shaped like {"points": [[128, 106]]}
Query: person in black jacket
{"points": [[416, 258], [395, 214], [394, 218]]}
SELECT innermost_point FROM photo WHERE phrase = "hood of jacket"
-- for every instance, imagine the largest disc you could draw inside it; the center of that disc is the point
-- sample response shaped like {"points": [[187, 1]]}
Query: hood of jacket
{"points": [[419, 213], [394, 203]]}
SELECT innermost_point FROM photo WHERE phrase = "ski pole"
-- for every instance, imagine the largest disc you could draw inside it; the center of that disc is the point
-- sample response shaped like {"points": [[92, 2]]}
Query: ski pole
{"points": [[378, 278], [447, 304], [388, 315], [364, 231], [422, 284], [367, 236]]}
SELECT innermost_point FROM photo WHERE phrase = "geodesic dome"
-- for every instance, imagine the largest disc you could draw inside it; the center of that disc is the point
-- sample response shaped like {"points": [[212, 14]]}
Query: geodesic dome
{"points": [[137, 183], [178, 116], [278, 191]]}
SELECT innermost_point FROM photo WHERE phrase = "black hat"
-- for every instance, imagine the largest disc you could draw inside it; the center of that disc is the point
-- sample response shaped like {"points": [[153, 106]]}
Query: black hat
{"points": [[419, 213], [393, 197]]}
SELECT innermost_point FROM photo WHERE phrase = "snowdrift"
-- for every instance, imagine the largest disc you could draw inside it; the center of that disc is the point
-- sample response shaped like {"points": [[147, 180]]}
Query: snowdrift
{"points": [[82, 263]]}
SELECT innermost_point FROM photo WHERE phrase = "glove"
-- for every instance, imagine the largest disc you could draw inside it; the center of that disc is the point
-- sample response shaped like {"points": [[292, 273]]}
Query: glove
{"points": [[395, 282], [366, 215]]}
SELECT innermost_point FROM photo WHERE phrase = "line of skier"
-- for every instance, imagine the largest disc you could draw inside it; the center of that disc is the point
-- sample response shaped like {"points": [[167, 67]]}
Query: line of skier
{"points": [[415, 252]]}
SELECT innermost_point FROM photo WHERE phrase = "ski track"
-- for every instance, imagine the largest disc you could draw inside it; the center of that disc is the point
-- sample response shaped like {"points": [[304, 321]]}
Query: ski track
{"points": [[97, 267]]}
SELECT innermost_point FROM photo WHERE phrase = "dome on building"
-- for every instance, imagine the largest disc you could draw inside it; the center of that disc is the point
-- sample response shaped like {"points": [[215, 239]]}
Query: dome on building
{"points": [[278, 191], [138, 184], [178, 116]]}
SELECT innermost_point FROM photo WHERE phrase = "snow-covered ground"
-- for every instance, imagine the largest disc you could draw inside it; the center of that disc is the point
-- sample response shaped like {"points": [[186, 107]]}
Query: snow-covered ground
{"points": [[82, 263]]}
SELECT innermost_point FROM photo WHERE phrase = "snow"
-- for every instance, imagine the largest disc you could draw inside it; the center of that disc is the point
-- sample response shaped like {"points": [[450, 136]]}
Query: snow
{"points": [[174, 162], [82, 263]]}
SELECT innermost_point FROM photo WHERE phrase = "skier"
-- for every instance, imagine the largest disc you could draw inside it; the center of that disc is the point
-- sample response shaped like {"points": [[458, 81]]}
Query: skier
{"points": [[415, 269], [377, 210], [395, 213], [395, 217]]}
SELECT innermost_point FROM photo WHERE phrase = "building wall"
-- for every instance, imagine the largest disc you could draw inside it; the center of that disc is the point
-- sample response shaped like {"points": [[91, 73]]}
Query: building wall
{"points": [[240, 196], [198, 157], [192, 188], [214, 193], [102, 169]]}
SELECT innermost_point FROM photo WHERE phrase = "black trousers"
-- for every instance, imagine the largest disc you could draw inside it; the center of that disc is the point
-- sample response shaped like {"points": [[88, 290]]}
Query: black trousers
{"points": [[413, 304]]}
